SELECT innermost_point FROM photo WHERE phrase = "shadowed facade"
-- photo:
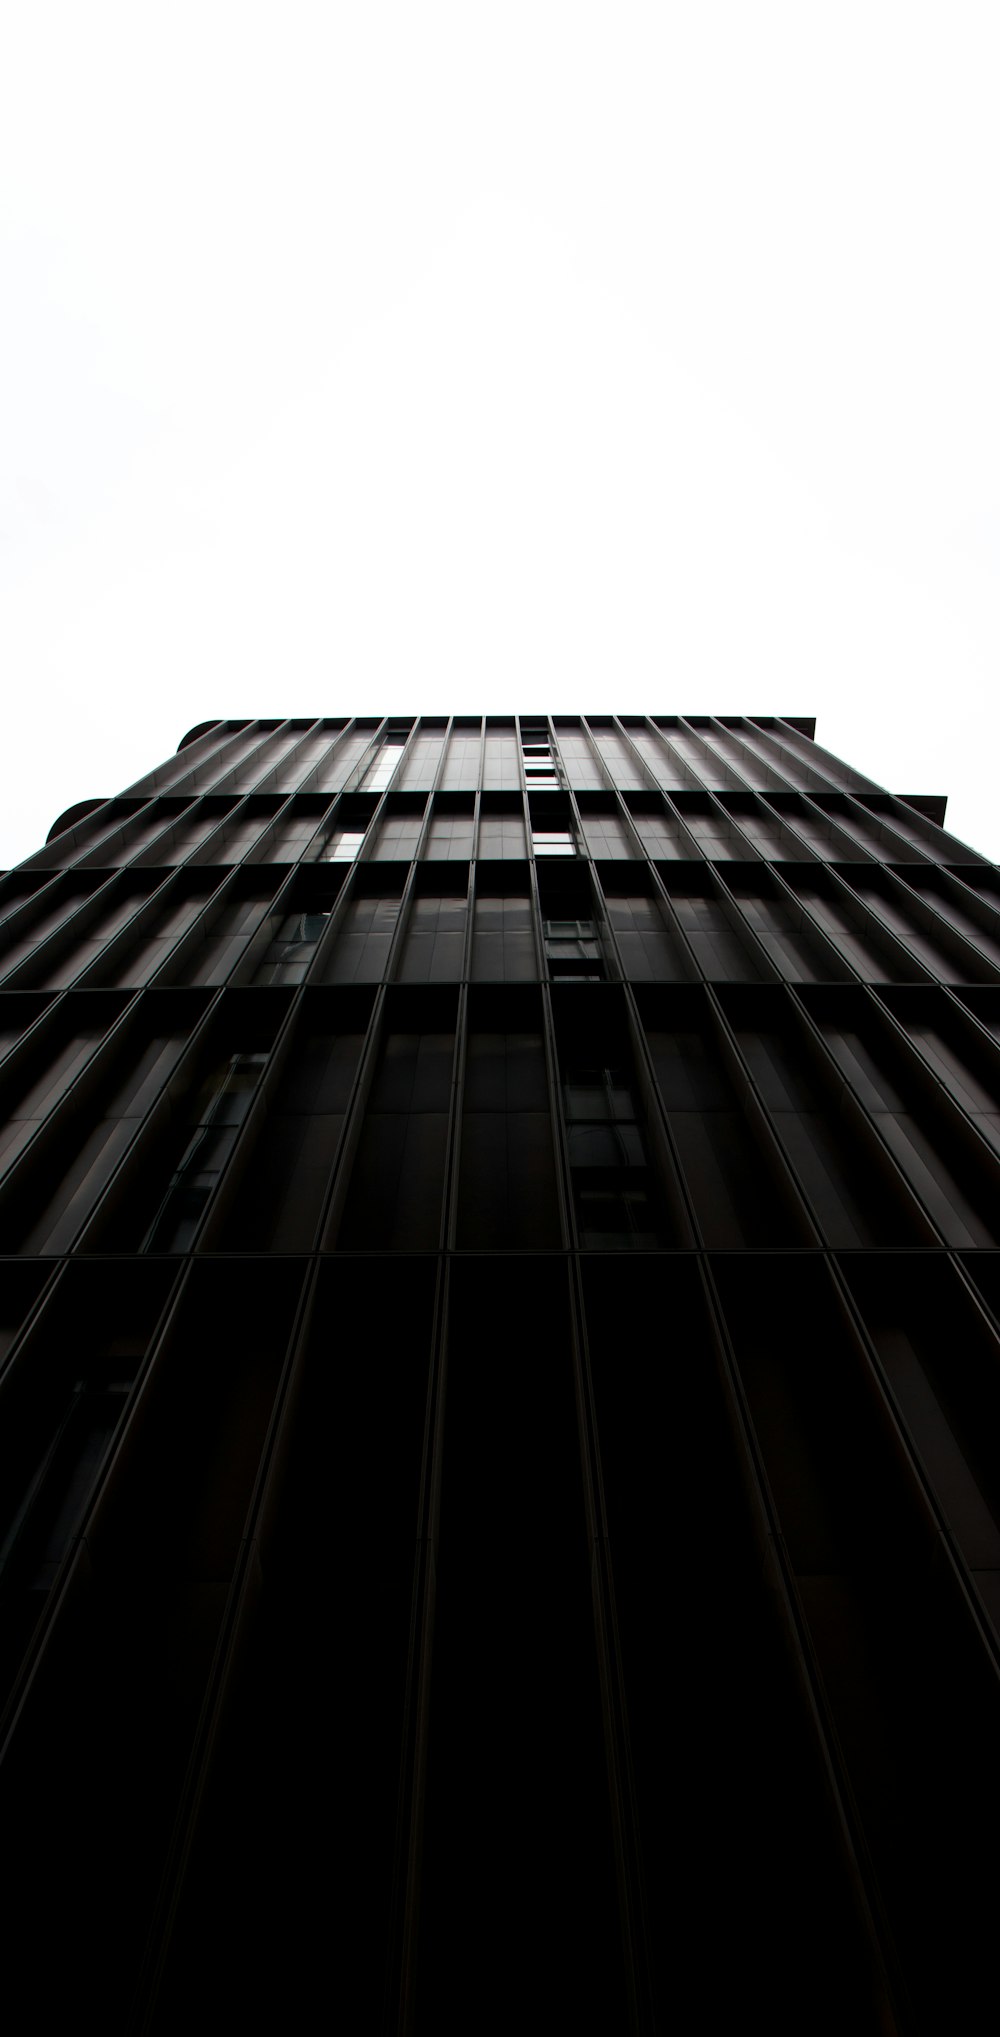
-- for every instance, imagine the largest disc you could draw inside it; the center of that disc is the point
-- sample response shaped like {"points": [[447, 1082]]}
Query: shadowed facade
{"points": [[499, 1387]]}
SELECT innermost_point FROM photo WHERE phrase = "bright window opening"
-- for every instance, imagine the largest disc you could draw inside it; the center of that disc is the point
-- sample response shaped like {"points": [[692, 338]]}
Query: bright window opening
{"points": [[539, 763], [345, 847], [384, 767]]}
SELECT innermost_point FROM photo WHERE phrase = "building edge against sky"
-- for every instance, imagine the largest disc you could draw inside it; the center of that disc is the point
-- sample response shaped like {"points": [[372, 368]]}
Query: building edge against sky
{"points": [[500, 1308]]}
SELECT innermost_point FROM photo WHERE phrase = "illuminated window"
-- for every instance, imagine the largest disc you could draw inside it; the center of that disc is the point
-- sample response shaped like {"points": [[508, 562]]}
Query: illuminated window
{"points": [[539, 763], [345, 846], [381, 772]]}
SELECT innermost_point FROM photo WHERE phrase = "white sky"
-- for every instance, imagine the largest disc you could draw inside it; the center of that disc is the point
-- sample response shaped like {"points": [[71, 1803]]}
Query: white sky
{"points": [[365, 357]]}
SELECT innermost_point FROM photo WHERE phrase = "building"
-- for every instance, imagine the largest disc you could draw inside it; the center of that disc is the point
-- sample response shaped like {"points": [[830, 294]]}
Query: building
{"points": [[500, 1405]]}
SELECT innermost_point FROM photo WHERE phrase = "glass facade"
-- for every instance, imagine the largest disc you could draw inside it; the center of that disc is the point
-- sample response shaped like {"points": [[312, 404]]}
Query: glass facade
{"points": [[499, 1350]]}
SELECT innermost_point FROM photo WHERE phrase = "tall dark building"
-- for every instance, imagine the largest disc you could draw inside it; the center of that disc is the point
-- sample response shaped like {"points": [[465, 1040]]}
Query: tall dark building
{"points": [[500, 1395]]}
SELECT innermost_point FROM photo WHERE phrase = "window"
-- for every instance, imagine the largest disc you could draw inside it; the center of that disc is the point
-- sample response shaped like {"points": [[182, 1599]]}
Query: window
{"points": [[449, 837], [539, 763], [345, 846], [434, 947], [287, 957], [553, 842], [606, 835], [397, 1182], [220, 1111], [508, 1189], [501, 836], [503, 947], [612, 1186], [380, 773], [573, 950]]}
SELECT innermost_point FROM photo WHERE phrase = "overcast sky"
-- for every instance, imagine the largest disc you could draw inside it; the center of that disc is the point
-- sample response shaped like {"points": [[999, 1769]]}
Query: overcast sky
{"points": [[442, 358]]}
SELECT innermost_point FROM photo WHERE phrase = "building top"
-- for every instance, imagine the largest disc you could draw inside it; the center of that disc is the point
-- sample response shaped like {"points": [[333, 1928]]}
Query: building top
{"points": [[746, 767]]}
